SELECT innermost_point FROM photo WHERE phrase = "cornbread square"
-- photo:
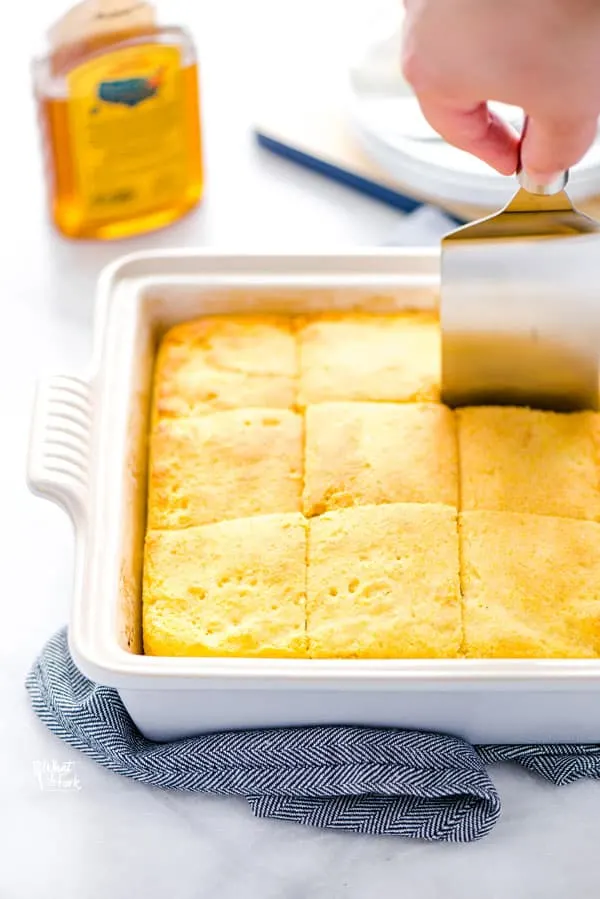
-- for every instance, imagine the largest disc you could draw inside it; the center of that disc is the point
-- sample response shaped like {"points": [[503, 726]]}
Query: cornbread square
{"points": [[383, 582], [226, 362], [370, 453], [368, 358], [531, 586], [236, 588], [522, 460], [231, 464]]}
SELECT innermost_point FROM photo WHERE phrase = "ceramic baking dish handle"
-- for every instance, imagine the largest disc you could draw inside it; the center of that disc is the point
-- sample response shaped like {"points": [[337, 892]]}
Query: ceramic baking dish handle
{"points": [[59, 450]]}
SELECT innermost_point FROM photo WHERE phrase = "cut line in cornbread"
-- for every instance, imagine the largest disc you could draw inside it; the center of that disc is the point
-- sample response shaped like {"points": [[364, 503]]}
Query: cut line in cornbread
{"points": [[521, 460], [369, 358], [231, 589], [531, 586], [227, 465], [226, 362], [372, 453], [383, 582]]}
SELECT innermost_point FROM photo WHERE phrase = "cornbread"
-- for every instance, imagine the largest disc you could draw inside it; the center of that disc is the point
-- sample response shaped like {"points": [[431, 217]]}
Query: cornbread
{"points": [[520, 460], [230, 464], [372, 453], [531, 586], [309, 496], [383, 582], [233, 588], [368, 358], [226, 362]]}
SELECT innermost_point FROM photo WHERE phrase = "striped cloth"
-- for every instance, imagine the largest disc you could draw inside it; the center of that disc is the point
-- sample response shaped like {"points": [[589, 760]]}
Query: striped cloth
{"points": [[364, 780]]}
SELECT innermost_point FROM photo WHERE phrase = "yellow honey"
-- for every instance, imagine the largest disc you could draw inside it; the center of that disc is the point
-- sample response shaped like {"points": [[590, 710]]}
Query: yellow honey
{"points": [[118, 104]]}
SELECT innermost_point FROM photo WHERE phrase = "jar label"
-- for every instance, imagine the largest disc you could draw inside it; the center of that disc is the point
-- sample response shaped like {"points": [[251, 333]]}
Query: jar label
{"points": [[127, 129]]}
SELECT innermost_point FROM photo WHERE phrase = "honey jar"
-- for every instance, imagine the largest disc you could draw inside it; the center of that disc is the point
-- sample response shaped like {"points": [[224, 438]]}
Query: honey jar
{"points": [[118, 102]]}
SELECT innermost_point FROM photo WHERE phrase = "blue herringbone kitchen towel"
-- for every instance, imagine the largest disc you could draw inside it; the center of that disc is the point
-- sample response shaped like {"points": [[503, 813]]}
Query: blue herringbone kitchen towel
{"points": [[360, 779]]}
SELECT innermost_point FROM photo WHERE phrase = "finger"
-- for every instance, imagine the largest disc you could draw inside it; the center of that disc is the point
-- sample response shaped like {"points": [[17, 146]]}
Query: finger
{"points": [[477, 130], [551, 147]]}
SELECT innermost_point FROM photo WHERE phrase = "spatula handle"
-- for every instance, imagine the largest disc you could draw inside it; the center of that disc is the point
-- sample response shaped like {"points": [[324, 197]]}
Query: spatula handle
{"points": [[534, 187], [530, 184]]}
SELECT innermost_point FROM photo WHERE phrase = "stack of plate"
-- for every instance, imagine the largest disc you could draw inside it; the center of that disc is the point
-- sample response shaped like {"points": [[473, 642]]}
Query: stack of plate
{"points": [[391, 129]]}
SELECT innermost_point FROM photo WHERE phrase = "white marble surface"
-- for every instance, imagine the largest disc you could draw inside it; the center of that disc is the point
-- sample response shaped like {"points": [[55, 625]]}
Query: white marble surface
{"points": [[112, 838]]}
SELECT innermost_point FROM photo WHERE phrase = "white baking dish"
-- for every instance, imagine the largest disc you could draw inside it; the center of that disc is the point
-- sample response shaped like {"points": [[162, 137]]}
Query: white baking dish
{"points": [[88, 453]]}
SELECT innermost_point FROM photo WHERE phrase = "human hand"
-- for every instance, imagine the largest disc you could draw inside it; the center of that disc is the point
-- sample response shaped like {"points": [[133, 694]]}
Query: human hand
{"points": [[540, 55]]}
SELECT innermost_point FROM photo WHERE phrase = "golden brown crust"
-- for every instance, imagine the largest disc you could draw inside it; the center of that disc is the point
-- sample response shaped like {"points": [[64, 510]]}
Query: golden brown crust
{"points": [[369, 358], [531, 586], [226, 362], [372, 453], [233, 588], [383, 582], [231, 464], [520, 460]]}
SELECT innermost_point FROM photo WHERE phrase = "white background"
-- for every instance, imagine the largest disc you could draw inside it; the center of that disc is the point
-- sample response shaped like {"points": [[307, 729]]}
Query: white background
{"points": [[113, 838]]}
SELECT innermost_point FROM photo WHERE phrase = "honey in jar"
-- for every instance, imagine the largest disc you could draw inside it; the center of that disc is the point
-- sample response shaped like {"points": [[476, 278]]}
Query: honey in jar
{"points": [[118, 102]]}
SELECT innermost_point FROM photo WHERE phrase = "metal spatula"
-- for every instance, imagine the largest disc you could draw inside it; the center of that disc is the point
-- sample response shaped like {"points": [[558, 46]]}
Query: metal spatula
{"points": [[520, 305]]}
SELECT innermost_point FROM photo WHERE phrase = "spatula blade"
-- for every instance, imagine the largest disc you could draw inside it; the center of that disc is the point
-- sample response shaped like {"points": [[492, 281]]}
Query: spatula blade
{"points": [[520, 308]]}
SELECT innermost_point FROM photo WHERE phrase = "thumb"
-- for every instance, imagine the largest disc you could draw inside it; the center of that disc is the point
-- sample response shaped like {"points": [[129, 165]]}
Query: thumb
{"points": [[550, 147]]}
